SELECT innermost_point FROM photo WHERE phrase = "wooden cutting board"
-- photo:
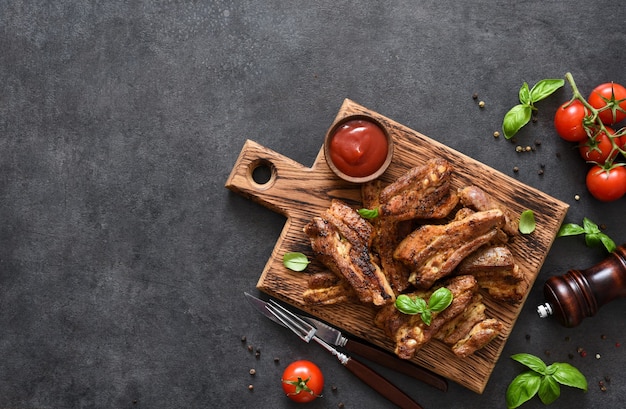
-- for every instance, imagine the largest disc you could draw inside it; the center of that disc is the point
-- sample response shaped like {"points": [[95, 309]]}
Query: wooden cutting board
{"points": [[300, 193]]}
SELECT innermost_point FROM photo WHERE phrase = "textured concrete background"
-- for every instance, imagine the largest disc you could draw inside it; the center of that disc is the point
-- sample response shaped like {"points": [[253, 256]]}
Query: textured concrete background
{"points": [[122, 257]]}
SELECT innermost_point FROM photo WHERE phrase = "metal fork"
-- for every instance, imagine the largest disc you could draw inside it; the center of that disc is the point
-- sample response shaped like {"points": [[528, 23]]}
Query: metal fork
{"points": [[306, 332], [303, 329]]}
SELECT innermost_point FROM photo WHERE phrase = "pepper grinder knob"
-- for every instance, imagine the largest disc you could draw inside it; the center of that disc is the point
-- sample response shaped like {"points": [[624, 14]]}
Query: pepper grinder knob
{"points": [[579, 294]]}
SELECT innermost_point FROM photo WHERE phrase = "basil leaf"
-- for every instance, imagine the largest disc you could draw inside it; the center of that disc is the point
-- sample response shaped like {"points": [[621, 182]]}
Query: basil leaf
{"points": [[420, 304], [406, 305], [527, 222], [549, 390], [368, 213], [545, 88], [570, 229], [568, 375], [531, 361], [609, 244], [524, 94], [522, 388], [440, 299], [515, 119], [589, 226], [426, 317], [592, 239], [295, 261]]}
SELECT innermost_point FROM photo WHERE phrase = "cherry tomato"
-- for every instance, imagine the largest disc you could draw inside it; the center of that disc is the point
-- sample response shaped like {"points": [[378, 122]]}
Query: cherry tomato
{"points": [[568, 121], [607, 185], [612, 94], [599, 148], [302, 381]]}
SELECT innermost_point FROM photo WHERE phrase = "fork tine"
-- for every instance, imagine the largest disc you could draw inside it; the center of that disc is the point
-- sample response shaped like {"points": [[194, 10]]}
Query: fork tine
{"points": [[302, 328]]}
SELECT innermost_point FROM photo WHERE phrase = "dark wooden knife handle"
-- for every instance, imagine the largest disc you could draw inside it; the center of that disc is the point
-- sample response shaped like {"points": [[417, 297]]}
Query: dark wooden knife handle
{"points": [[381, 385], [397, 364]]}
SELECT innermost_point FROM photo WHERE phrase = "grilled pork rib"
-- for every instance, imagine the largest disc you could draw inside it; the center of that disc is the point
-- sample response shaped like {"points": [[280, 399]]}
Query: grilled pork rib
{"points": [[326, 288], [421, 193], [481, 334], [496, 271], [477, 199], [388, 232], [341, 240], [433, 251], [409, 332]]}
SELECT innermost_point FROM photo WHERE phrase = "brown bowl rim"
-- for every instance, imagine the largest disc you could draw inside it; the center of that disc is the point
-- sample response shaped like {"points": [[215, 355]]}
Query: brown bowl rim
{"points": [[358, 179]]}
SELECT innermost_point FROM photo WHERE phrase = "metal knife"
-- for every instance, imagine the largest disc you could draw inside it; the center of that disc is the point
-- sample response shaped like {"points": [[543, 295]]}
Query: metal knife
{"points": [[334, 336], [306, 332]]}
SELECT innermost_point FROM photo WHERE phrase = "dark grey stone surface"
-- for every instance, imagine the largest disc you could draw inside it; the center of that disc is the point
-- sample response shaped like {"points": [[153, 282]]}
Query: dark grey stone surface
{"points": [[123, 258]]}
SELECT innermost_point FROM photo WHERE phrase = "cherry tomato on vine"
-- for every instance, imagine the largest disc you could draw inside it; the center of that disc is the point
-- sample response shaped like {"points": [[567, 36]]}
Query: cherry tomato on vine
{"points": [[568, 121], [612, 94], [607, 185], [599, 148], [302, 381]]}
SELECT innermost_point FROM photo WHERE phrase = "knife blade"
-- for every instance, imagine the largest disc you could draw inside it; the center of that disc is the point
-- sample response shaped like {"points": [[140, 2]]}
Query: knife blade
{"points": [[335, 337], [306, 332]]}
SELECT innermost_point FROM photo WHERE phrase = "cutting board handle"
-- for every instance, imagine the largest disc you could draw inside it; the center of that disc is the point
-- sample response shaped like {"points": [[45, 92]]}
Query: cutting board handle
{"points": [[292, 187]]}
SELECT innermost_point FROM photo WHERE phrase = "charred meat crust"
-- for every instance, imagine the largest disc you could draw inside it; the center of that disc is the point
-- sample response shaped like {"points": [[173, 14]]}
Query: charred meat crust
{"points": [[388, 232], [341, 239], [422, 193], [433, 251]]}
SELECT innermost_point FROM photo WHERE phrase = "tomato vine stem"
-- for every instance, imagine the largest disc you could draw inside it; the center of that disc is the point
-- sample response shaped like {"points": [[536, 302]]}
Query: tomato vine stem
{"points": [[598, 126]]}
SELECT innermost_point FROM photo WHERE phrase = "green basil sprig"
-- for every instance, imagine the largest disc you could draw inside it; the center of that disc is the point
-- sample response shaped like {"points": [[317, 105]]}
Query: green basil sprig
{"points": [[295, 261], [520, 114], [593, 235], [542, 380], [438, 301]]}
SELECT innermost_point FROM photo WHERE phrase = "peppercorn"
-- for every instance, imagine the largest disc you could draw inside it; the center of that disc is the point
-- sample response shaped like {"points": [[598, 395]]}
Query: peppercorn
{"points": [[481, 104], [515, 169], [250, 387], [475, 95], [252, 371], [496, 134]]}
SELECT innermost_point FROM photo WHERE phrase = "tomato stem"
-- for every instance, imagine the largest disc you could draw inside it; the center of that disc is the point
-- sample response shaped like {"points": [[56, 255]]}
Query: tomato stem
{"points": [[598, 126]]}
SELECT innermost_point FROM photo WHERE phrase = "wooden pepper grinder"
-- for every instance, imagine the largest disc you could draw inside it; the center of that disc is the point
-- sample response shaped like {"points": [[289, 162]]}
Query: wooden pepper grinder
{"points": [[579, 294]]}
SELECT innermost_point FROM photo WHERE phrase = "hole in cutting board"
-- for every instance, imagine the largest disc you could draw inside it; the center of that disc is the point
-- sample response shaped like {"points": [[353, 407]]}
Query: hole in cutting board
{"points": [[262, 173]]}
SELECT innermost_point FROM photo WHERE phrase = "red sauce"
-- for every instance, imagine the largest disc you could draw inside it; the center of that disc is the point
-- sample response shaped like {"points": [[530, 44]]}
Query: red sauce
{"points": [[358, 148]]}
